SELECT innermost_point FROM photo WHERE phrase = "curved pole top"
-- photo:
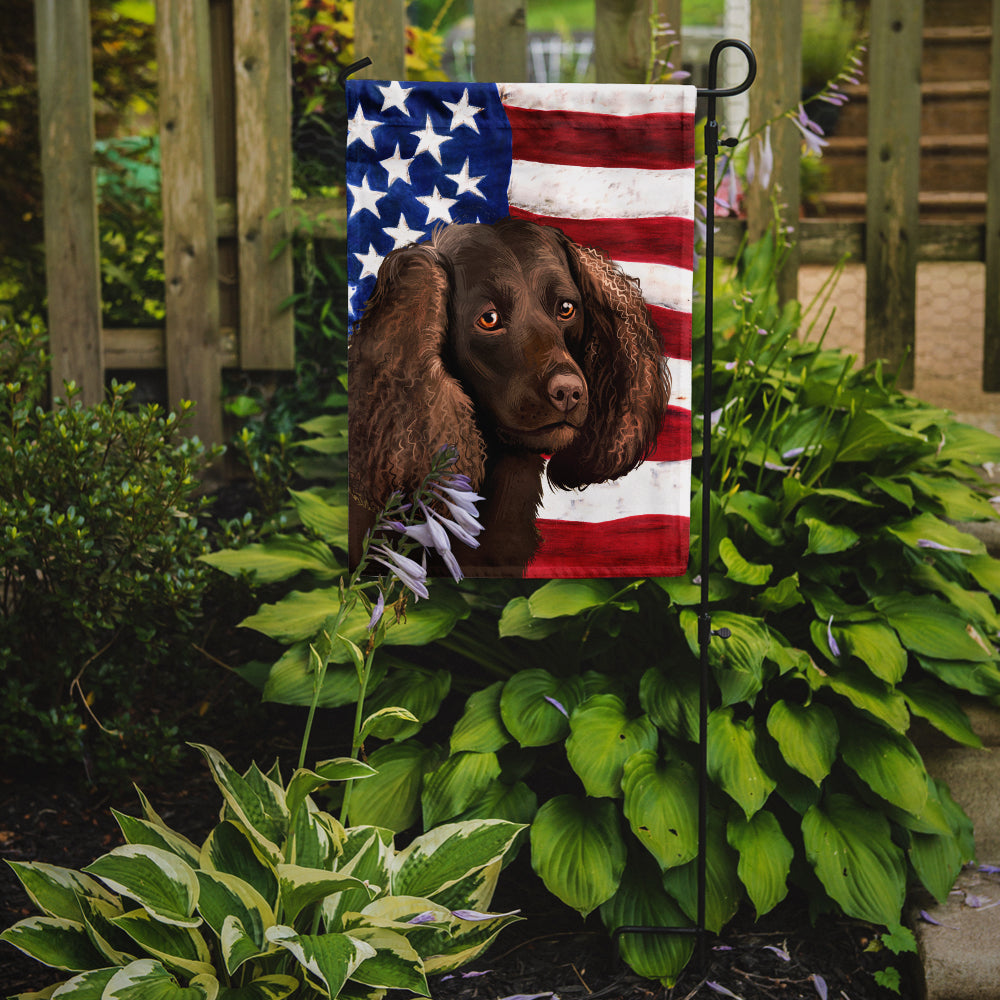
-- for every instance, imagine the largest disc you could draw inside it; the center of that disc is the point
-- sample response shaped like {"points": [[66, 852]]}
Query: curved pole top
{"points": [[713, 69]]}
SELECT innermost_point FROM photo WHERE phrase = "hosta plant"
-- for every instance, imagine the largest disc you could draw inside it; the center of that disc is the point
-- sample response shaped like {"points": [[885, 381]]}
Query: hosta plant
{"points": [[279, 900]]}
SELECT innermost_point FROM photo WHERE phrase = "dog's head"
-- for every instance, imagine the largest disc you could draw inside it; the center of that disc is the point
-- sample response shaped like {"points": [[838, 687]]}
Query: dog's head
{"points": [[504, 335]]}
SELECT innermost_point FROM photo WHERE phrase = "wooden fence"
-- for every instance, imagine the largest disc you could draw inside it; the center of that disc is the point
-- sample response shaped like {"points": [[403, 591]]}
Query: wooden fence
{"points": [[226, 160]]}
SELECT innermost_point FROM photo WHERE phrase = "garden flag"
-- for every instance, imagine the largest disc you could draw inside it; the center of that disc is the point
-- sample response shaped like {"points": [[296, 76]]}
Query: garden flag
{"points": [[520, 278]]}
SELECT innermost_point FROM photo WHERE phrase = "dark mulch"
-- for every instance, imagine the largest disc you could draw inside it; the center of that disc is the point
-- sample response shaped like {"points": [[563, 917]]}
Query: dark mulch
{"points": [[551, 952]]}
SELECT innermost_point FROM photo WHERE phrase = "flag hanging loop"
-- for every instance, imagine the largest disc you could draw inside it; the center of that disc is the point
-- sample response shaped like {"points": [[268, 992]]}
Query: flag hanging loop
{"points": [[705, 631]]}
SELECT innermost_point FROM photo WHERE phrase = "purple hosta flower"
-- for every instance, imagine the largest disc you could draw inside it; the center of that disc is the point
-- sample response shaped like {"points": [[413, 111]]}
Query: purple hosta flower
{"points": [[820, 983], [780, 952], [427, 917], [761, 163], [719, 988], [377, 611], [475, 915], [558, 705], [927, 543], [727, 198], [834, 648], [989, 869], [411, 573], [811, 132]]}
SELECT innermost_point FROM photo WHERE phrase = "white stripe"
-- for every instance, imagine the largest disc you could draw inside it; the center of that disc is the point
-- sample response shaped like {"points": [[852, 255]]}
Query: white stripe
{"points": [[602, 98], [680, 383], [652, 488], [661, 284], [572, 192]]}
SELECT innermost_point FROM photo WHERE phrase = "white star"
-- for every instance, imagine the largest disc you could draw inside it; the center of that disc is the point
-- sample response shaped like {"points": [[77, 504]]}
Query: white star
{"points": [[364, 197], [465, 183], [430, 142], [463, 113], [401, 233], [370, 262], [437, 206], [397, 168], [395, 97], [360, 128]]}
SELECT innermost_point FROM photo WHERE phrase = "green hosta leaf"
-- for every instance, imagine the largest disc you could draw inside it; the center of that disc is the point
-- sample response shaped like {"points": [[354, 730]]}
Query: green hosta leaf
{"points": [[986, 571], [807, 736], [180, 948], [225, 897], [147, 979], [850, 848], [765, 858], [758, 511], [928, 528], [876, 646], [517, 620], [738, 661], [395, 964], [230, 849], [602, 738], [865, 692], [827, 539], [275, 987], [732, 760], [870, 436], [723, 889], [56, 891], [260, 809], [893, 488], [516, 803], [481, 728], [530, 706], [937, 858], [391, 798], [301, 887], [976, 605], [931, 628], [661, 798], [417, 690], [456, 784], [888, 763], [976, 678], [560, 598], [738, 569], [957, 501], [783, 595], [330, 959], [141, 831], [98, 916], [159, 881], [327, 520], [578, 851], [671, 700], [465, 941], [279, 558], [292, 681], [54, 941], [641, 901], [438, 859], [965, 443], [386, 723], [941, 709], [683, 592]]}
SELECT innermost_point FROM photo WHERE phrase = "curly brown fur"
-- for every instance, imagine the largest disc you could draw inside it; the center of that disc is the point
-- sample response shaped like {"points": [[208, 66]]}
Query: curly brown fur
{"points": [[509, 342]]}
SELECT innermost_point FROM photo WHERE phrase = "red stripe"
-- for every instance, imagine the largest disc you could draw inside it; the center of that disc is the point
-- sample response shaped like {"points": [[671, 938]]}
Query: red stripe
{"points": [[647, 545], [675, 329], [655, 240], [650, 142], [673, 443]]}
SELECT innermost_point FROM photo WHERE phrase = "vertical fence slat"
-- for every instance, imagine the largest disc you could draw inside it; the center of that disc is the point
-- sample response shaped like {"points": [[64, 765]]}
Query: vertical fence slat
{"points": [[380, 34], [621, 40], [261, 42], [776, 34], [893, 183], [190, 253], [991, 333], [72, 257], [501, 41]]}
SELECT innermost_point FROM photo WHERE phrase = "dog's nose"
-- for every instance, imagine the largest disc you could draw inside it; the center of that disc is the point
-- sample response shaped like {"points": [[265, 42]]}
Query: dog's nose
{"points": [[565, 391]]}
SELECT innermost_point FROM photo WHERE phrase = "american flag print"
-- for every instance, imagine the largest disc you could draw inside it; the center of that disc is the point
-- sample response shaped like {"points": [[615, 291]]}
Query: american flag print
{"points": [[612, 166]]}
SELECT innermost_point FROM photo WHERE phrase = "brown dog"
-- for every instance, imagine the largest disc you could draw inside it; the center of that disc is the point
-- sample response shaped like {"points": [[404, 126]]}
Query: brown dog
{"points": [[510, 342]]}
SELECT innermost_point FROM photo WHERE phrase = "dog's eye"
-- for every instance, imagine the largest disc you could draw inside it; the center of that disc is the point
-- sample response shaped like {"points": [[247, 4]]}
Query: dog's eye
{"points": [[567, 310], [489, 321]]}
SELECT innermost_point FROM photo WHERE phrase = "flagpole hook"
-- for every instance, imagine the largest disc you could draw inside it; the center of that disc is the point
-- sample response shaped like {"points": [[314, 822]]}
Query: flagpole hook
{"points": [[353, 68]]}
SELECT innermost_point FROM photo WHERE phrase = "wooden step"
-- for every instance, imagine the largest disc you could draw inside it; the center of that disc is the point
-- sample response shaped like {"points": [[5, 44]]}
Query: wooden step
{"points": [[957, 206], [939, 13], [947, 105], [956, 53]]}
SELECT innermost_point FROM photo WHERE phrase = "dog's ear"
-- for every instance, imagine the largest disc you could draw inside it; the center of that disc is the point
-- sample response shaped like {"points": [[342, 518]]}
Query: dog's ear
{"points": [[403, 404], [626, 373]]}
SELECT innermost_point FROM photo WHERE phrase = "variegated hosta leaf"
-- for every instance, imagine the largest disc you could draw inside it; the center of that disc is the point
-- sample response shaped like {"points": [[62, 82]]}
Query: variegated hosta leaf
{"points": [[141, 831], [225, 897], [315, 838], [56, 891], [147, 979], [732, 760], [158, 880], [328, 959], [54, 941], [177, 947], [642, 902], [275, 987], [578, 851], [602, 737], [300, 887], [441, 857], [765, 858], [230, 849], [475, 891], [367, 853], [456, 784], [661, 799], [86, 986], [395, 964], [304, 782], [807, 736], [850, 847], [116, 946], [481, 727], [468, 939], [256, 801]]}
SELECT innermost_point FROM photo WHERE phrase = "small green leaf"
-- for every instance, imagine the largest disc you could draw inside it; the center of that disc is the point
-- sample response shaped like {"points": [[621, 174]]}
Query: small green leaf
{"points": [[327, 520], [517, 620], [765, 858], [562, 598], [807, 736], [739, 569], [456, 784], [732, 760], [828, 539], [481, 727], [279, 558], [888, 763]]}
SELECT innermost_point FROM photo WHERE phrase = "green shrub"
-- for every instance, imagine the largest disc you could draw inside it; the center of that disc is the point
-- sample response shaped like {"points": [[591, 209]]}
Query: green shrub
{"points": [[280, 899], [101, 584]]}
